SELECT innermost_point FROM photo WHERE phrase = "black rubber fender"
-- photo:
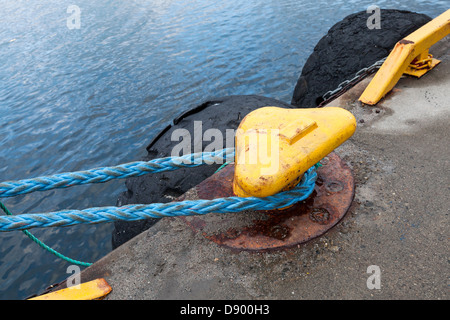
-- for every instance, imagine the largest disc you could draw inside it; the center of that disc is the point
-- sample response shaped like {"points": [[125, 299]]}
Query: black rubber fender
{"points": [[348, 47]]}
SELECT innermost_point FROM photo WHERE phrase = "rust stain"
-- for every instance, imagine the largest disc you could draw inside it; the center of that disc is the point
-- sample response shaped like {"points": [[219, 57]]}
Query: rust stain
{"points": [[278, 229], [319, 215], [217, 186], [405, 41], [197, 224]]}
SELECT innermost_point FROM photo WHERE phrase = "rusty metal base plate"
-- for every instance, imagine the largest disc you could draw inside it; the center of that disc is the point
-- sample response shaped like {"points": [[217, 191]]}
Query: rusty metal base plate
{"points": [[277, 229]]}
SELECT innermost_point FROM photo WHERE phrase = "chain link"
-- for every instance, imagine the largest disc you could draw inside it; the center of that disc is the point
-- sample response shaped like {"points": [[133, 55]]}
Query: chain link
{"points": [[345, 85]]}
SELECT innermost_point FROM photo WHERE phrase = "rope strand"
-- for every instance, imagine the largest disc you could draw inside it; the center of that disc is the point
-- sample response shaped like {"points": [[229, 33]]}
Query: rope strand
{"points": [[68, 218], [100, 175]]}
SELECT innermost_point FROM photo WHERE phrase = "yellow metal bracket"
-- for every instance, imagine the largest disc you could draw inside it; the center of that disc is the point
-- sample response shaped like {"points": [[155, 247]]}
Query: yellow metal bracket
{"points": [[409, 56]]}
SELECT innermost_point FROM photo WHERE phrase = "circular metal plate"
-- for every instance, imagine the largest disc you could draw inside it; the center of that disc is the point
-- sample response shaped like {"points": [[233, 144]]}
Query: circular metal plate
{"points": [[277, 229]]}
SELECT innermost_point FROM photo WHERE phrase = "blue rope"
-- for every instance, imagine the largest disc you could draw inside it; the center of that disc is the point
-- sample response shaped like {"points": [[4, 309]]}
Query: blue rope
{"points": [[100, 175], [13, 188], [138, 212], [159, 210]]}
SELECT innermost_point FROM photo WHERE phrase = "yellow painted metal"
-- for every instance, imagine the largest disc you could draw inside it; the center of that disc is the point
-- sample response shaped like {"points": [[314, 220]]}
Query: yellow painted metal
{"points": [[413, 48], [421, 65], [275, 146], [92, 290]]}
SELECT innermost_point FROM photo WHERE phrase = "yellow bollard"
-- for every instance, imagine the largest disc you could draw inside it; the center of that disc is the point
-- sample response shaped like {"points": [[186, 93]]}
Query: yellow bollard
{"points": [[275, 146]]}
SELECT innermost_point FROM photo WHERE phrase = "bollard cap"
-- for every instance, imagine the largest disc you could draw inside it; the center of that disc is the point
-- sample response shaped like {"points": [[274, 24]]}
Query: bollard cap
{"points": [[275, 146]]}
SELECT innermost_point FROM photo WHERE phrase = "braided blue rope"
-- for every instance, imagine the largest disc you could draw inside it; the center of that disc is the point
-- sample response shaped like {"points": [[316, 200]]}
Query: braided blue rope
{"points": [[159, 210], [100, 175], [13, 188], [43, 245], [137, 212]]}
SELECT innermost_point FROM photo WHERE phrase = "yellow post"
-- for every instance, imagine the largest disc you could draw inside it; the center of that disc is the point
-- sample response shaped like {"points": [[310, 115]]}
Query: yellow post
{"points": [[412, 48]]}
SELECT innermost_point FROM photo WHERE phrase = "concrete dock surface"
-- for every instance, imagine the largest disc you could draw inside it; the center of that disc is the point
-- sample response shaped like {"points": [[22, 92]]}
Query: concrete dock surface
{"points": [[398, 222]]}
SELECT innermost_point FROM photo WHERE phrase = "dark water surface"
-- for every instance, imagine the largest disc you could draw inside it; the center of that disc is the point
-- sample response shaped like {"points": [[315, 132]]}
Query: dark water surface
{"points": [[73, 99]]}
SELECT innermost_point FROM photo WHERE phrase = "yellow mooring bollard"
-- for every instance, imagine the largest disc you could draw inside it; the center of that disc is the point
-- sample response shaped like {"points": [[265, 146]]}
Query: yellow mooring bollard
{"points": [[275, 146]]}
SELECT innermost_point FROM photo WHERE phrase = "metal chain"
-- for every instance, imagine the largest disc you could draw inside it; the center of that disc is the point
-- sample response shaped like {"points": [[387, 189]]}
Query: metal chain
{"points": [[346, 84]]}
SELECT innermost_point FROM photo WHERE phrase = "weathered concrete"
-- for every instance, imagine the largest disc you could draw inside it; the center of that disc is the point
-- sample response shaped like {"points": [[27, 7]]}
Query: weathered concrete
{"points": [[399, 220]]}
